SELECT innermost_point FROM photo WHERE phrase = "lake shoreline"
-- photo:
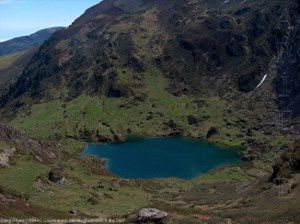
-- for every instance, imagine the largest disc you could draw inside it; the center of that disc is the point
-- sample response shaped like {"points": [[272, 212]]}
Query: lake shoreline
{"points": [[141, 137], [155, 149]]}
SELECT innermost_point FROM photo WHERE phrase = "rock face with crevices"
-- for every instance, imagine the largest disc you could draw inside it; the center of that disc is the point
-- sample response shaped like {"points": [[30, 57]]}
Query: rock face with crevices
{"points": [[286, 165], [10, 134], [5, 157], [151, 215], [41, 149]]}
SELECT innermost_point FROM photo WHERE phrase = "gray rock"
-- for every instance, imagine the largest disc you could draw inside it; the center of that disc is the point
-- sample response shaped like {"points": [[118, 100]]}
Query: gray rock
{"points": [[101, 184], [151, 215], [5, 156], [96, 198], [73, 212], [257, 172], [114, 187]]}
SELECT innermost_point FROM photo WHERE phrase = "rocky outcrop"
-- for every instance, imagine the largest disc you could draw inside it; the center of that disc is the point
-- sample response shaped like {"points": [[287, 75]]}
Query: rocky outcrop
{"points": [[41, 149], [114, 187], [9, 134], [173, 128], [151, 215], [247, 82], [212, 131], [5, 156], [192, 120], [286, 165], [96, 198]]}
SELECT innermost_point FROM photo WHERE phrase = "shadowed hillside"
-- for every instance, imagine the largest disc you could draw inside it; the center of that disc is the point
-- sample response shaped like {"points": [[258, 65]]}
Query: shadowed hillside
{"points": [[11, 66]]}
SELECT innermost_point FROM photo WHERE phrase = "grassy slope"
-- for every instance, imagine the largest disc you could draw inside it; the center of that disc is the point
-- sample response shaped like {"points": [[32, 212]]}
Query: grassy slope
{"points": [[87, 112], [11, 66], [6, 60], [28, 178], [147, 118], [213, 195], [44, 120]]}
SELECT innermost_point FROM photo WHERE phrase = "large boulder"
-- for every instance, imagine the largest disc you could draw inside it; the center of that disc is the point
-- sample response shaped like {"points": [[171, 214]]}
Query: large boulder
{"points": [[5, 156], [192, 120], [114, 186], [151, 215], [212, 131], [96, 198]]}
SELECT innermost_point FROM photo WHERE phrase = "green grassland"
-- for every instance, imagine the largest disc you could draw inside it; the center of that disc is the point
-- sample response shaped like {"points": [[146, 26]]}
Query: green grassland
{"points": [[109, 116], [29, 179], [213, 194]]}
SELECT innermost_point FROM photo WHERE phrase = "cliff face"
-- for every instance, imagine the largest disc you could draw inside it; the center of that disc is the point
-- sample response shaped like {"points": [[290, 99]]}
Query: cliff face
{"points": [[286, 165], [287, 34]]}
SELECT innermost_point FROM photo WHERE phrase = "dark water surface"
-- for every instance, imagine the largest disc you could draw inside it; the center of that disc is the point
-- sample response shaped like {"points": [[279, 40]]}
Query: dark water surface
{"points": [[163, 157]]}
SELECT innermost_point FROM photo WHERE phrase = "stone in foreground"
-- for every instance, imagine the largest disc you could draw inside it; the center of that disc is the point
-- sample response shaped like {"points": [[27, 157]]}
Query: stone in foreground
{"points": [[151, 215]]}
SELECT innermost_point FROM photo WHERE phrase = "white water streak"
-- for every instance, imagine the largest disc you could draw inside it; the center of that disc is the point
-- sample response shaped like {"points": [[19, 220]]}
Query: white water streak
{"points": [[261, 82]]}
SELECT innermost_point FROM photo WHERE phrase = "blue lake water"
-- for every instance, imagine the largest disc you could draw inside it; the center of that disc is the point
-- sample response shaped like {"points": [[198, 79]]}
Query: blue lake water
{"points": [[162, 157]]}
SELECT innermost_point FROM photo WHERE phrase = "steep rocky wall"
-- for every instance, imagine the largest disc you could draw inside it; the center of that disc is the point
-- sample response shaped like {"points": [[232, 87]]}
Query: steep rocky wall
{"points": [[287, 34]]}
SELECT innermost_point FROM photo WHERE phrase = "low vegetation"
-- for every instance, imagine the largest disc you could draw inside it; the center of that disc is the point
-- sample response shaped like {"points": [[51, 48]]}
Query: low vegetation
{"points": [[163, 68]]}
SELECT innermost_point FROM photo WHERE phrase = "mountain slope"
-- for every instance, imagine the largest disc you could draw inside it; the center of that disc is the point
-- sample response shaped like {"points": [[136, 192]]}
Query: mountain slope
{"points": [[207, 69], [139, 67], [11, 66], [26, 42], [15, 54]]}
